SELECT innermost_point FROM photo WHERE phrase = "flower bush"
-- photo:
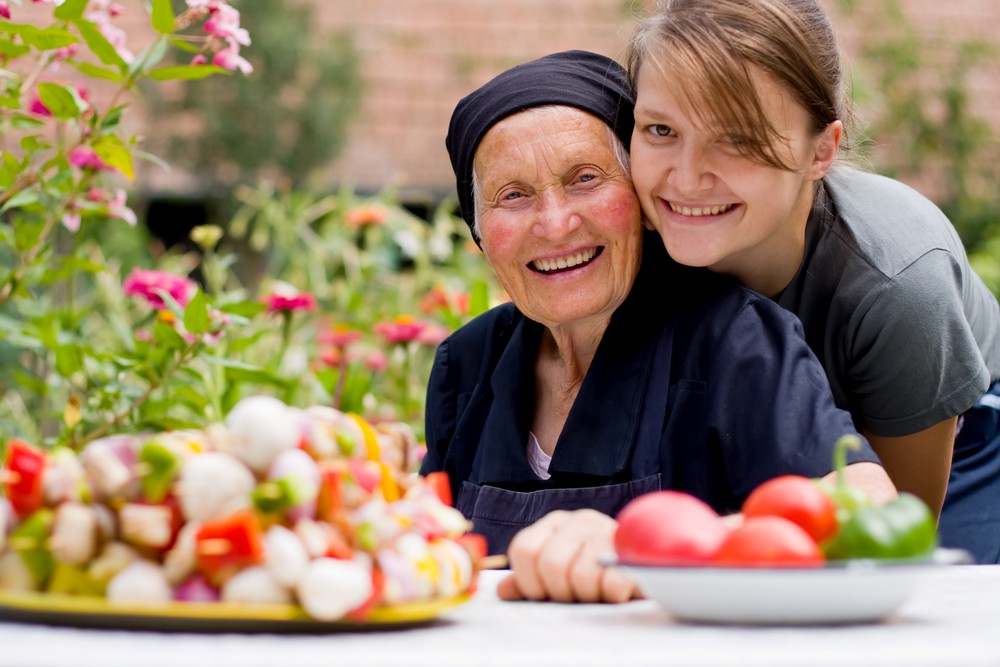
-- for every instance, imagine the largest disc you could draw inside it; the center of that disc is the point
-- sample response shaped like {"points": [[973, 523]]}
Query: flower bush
{"points": [[330, 298]]}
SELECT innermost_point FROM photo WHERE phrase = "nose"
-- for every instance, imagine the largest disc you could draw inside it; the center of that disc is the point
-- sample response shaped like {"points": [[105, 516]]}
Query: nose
{"points": [[689, 170], [556, 216]]}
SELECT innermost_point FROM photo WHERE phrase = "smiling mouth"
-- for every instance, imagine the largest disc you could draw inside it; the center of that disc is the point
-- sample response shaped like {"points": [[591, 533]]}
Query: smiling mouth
{"points": [[574, 261], [699, 211]]}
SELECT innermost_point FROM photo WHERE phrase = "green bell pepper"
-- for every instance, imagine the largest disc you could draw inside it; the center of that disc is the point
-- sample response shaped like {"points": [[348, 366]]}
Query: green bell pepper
{"points": [[905, 528]]}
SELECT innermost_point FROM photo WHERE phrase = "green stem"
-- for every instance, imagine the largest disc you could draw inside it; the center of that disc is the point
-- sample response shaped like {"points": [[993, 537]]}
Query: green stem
{"points": [[844, 443]]}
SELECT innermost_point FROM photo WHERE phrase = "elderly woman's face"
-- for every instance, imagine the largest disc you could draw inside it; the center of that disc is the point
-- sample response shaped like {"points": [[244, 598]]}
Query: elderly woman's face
{"points": [[558, 216]]}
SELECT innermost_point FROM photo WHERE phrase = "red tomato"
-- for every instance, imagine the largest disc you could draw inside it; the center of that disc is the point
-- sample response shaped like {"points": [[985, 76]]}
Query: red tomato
{"points": [[771, 541], [668, 527], [798, 499], [227, 545]]}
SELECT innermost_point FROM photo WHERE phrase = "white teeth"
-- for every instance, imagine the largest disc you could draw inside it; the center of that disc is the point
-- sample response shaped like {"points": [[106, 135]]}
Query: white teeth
{"points": [[700, 211], [565, 262]]}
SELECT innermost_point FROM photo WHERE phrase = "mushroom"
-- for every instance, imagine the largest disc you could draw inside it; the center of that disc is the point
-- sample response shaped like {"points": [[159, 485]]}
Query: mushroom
{"points": [[330, 587]]}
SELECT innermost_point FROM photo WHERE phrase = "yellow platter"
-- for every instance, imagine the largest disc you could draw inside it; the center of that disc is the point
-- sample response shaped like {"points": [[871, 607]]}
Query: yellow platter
{"points": [[93, 612]]}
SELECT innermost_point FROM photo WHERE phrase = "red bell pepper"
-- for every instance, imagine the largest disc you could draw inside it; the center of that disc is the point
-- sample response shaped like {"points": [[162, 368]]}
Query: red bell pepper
{"points": [[225, 546], [22, 477], [440, 485]]}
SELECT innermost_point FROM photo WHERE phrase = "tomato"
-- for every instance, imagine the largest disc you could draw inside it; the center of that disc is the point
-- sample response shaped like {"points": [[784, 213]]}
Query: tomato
{"points": [[798, 499], [769, 541], [668, 527]]}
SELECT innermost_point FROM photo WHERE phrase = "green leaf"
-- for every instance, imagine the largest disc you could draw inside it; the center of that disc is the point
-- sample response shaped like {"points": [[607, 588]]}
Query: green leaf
{"points": [[163, 17], [196, 318], [114, 154], [60, 102], [244, 308], [10, 167], [22, 198], [148, 59], [187, 72], [68, 360], [90, 69], [479, 298], [42, 39], [99, 44], [70, 10], [10, 50], [167, 335]]}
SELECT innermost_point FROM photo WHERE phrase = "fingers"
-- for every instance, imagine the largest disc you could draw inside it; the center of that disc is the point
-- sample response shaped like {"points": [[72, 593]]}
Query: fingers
{"points": [[557, 558], [507, 589]]}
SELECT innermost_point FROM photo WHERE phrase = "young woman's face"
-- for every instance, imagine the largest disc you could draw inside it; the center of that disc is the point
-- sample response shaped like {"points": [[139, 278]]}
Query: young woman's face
{"points": [[715, 207], [558, 217]]}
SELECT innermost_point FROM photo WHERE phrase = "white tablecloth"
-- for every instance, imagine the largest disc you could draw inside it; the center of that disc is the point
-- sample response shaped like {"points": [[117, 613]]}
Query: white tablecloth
{"points": [[953, 618]]}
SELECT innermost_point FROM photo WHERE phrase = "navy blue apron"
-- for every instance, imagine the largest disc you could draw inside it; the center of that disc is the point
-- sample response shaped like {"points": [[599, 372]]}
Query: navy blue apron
{"points": [[970, 518], [499, 514]]}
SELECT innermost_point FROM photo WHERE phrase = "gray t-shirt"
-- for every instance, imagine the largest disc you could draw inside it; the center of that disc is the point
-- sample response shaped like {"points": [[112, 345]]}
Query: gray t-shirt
{"points": [[907, 332]]}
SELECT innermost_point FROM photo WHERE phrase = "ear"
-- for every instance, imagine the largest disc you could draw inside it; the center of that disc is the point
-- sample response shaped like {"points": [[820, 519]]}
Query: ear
{"points": [[825, 148]]}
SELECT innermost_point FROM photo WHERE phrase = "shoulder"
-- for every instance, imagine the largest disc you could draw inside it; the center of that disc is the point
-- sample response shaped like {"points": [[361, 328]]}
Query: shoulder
{"points": [[885, 224]]}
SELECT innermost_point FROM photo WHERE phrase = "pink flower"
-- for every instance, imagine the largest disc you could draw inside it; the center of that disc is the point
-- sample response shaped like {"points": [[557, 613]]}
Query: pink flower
{"points": [[402, 329], [148, 284], [71, 221], [230, 58], [118, 209], [199, 59], [4, 9], [84, 157], [280, 303], [433, 334], [340, 335], [224, 22], [376, 361], [35, 106]]}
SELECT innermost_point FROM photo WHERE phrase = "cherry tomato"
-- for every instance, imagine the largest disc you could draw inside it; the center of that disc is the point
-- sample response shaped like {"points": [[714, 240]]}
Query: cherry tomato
{"points": [[22, 477], [668, 527], [798, 499], [769, 541]]}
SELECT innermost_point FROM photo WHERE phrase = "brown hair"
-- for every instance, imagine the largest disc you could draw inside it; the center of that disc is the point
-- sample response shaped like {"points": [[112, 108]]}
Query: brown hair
{"points": [[711, 47]]}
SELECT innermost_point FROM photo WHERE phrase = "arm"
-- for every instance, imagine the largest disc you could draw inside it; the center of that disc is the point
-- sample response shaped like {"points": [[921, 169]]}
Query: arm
{"points": [[919, 463], [870, 478]]}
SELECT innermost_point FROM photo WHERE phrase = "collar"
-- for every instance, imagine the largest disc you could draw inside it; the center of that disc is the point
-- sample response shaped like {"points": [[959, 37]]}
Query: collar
{"points": [[600, 431]]}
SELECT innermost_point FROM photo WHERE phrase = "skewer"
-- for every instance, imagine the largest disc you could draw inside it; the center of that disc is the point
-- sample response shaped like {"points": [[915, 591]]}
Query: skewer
{"points": [[494, 562]]}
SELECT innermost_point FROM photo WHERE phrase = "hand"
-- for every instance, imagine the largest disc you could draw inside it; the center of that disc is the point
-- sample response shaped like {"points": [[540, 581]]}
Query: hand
{"points": [[557, 559]]}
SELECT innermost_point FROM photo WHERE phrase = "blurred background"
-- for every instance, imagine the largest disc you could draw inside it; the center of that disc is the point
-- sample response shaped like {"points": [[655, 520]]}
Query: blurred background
{"points": [[325, 170]]}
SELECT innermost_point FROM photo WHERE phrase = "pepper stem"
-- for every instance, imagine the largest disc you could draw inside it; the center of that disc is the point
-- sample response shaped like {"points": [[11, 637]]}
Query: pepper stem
{"points": [[843, 443]]}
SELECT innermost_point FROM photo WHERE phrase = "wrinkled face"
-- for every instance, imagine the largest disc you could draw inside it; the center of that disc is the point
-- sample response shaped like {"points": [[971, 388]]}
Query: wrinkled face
{"points": [[559, 219], [713, 206]]}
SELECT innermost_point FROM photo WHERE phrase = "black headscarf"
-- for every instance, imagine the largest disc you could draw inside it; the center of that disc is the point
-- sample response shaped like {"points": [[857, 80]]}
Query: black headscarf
{"points": [[588, 81]]}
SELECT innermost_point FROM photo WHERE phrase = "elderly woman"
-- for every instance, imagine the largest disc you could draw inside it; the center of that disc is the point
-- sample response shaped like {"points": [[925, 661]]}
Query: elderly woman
{"points": [[614, 371]]}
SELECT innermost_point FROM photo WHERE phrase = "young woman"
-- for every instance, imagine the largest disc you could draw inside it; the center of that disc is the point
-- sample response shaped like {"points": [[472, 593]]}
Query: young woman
{"points": [[739, 119]]}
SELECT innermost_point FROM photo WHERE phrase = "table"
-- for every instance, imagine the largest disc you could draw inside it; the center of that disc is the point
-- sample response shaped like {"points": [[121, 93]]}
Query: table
{"points": [[953, 618]]}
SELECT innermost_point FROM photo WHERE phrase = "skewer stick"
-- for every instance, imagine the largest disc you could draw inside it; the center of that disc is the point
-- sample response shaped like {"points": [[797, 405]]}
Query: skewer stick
{"points": [[494, 562]]}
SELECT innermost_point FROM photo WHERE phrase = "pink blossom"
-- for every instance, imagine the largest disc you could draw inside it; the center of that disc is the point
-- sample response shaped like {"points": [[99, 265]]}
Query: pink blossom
{"points": [[376, 361], [230, 58], [67, 51], [4, 9], [339, 336], [225, 23], [71, 221], [433, 334], [279, 303], [146, 284], [100, 12], [84, 157], [402, 329], [118, 209], [35, 106], [199, 59]]}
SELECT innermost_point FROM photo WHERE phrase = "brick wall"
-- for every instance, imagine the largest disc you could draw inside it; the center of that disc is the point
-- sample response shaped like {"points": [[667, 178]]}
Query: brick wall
{"points": [[419, 57]]}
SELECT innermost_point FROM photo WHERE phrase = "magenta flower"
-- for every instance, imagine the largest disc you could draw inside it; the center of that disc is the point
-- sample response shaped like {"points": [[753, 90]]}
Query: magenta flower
{"points": [[230, 58], [402, 329], [84, 157], [148, 284], [4, 9], [283, 303], [224, 22], [340, 335]]}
